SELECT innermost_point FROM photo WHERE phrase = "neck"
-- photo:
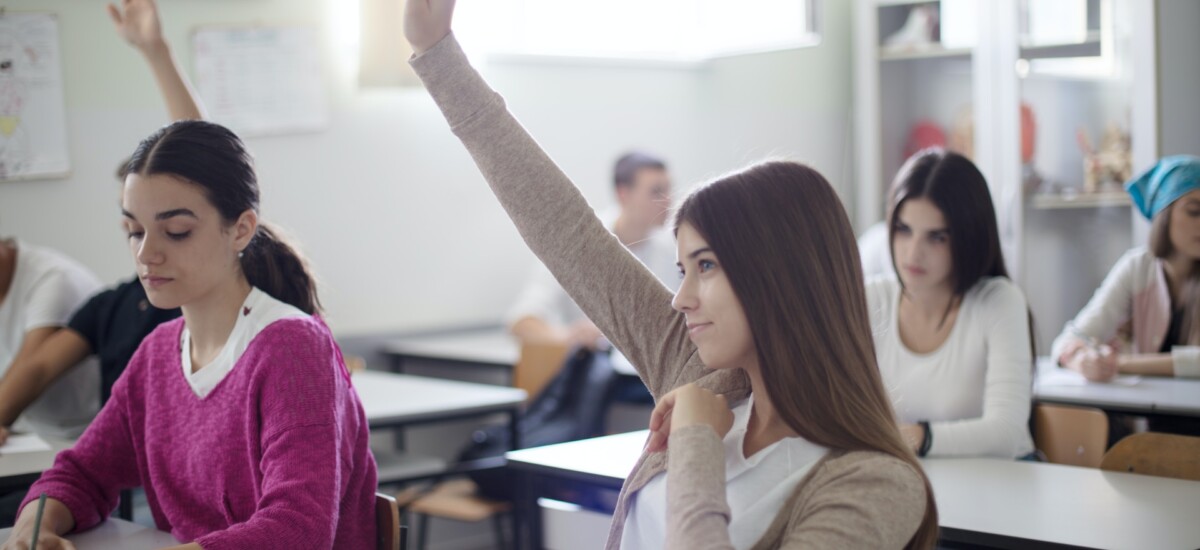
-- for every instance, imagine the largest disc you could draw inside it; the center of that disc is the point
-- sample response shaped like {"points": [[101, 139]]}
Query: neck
{"points": [[630, 232], [765, 420], [210, 319], [1178, 267], [929, 303]]}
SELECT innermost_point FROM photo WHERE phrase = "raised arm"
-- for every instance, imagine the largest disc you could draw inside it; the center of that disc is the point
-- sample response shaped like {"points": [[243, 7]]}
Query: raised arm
{"points": [[137, 21], [619, 294]]}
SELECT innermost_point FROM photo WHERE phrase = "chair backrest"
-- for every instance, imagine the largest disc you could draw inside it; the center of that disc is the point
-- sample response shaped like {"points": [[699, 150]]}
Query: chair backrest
{"points": [[537, 366], [1156, 454], [388, 533], [1071, 435]]}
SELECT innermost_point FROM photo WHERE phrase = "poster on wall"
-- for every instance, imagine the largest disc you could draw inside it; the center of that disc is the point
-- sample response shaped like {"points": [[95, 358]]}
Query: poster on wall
{"points": [[33, 121], [261, 80]]}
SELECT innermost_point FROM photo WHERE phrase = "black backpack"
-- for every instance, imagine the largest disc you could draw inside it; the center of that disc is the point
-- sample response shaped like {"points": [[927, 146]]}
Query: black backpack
{"points": [[571, 407]]}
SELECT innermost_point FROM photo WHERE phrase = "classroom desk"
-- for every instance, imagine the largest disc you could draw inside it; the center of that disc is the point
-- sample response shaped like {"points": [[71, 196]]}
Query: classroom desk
{"points": [[1151, 395], [982, 502], [21, 470], [116, 534], [397, 401], [491, 347]]}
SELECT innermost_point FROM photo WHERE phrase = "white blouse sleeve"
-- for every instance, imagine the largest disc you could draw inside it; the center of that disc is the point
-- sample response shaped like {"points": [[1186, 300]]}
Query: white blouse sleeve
{"points": [[1110, 307]]}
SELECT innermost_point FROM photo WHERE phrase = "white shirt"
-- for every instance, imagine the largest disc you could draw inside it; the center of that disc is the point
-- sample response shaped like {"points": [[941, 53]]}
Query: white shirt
{"points": [[876, 252], [47, 288], [258, 312], [756, 487], [975, 389], [544, 298]]}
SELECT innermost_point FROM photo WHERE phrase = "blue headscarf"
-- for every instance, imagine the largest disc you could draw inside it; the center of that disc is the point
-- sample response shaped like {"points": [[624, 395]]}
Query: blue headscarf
{"points": [[1164, 183]]}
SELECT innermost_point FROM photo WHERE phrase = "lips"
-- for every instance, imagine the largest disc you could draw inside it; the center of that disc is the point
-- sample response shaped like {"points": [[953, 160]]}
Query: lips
{"points": [[155, 281], [915, 271], [696, 328]]}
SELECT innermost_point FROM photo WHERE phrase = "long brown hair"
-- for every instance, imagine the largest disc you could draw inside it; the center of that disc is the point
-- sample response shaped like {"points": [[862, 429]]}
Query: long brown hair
{"points": [[789, 252], [1189, 294]]}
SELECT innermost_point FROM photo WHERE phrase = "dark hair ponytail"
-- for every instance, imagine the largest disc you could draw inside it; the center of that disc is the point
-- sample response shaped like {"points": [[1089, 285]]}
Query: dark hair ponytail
{"points": [[214, 158]]}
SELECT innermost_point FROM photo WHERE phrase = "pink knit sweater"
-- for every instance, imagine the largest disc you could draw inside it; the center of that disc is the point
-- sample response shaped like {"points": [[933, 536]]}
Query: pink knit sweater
{"points": [[275, 457]]}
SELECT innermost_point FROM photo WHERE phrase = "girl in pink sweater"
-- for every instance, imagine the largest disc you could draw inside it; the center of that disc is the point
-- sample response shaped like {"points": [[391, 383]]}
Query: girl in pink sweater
{"points": [[238, 419]]}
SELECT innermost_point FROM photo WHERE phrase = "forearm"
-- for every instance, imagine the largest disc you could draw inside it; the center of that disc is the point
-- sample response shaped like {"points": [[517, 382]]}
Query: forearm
{"points": [[176, 90], [697, 512], [20, 387], [56, 518], [1153, 364]]}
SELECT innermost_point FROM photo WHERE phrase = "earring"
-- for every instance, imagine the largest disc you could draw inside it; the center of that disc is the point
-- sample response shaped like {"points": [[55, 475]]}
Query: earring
{"points": [[240, 254]]}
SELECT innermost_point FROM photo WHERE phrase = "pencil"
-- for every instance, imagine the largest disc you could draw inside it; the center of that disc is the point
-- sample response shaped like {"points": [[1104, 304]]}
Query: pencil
{"points": [[37, 524]]}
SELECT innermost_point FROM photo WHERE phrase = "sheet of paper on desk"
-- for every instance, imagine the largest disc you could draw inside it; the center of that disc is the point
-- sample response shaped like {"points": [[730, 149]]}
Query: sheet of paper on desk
{"points": [[1064, 377], [24, 443]]}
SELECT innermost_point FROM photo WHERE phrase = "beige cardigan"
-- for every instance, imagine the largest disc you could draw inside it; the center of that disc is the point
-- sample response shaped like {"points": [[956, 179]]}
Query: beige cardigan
{"points": [[848, 500]]}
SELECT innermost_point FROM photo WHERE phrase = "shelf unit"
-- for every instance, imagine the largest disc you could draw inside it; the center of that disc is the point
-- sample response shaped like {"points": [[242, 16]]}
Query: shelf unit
{"points": [[1044, 236]]}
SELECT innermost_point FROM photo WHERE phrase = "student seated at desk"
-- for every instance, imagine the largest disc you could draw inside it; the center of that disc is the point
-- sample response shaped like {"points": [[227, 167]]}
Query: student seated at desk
{"points": [[772, 427], [114, 321], [951, 329], [1152, 295], [39, 288], [543, 312], [238, 419]]}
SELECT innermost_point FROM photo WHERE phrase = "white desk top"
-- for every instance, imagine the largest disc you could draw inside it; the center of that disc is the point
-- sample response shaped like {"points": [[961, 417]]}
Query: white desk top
{"points": [[116, 534], [1150, 394], [391, 399], [1024, 500], [1065, 504], [493, 346], [31, 463]]}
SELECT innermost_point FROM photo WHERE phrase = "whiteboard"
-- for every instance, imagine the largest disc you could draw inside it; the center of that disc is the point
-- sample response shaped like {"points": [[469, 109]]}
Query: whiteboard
{"points": [[33, 121], [261, 80]]}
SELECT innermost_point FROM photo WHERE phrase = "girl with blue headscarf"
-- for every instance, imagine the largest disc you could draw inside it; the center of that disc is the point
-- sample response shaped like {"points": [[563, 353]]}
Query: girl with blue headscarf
{"points": [[1145, 317]]}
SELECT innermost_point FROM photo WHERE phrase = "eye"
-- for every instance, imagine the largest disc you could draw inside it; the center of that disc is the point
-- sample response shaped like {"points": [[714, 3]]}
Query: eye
{"points": [[178, 236], [706, 265], [902, 229], [939, 238], [134, 234]]}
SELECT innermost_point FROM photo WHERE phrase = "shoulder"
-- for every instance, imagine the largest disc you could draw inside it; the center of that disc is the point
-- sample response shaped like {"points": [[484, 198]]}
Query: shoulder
{"points": [[304, 341], [873, 480], [47, 262], [882, 290], [1138, 259], [996, 292]]}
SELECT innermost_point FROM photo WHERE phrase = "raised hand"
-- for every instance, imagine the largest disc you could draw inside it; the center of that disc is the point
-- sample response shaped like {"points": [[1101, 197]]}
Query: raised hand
{"points": [[686, 406], [138, 23], [427, 22]]}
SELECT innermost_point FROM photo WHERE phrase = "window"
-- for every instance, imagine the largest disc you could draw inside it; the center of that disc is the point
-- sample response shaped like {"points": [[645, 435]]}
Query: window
{"points": [[671, 30]]}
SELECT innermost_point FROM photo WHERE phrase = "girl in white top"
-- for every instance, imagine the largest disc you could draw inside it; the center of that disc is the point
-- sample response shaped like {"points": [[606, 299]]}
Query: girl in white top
{"points": [[951, 330], [1145, 317], [39, 289]]}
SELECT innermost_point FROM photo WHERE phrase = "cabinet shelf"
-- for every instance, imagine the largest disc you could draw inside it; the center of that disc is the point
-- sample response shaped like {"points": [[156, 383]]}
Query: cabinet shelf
{"points": [[933, 52], [1047, 201]]}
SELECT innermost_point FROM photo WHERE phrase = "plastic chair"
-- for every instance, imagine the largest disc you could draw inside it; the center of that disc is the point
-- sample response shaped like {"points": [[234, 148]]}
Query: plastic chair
{"points": [[1156, 454], [1071, 435]]}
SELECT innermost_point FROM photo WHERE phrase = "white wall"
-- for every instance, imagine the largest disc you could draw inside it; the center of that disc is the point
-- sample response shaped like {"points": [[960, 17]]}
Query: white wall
{"points": [[386, 203]]}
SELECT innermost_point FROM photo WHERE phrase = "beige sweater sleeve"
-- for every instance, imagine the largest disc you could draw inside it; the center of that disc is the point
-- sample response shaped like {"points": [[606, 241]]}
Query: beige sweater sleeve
{"points": [[857, 500], [619, 294]]}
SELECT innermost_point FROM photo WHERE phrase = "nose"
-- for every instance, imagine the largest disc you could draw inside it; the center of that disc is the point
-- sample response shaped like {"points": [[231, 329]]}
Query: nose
{"points": [[149, 252], [686, 300]]}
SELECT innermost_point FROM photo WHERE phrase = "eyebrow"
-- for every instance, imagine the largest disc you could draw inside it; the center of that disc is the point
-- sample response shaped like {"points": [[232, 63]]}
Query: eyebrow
{"points": [[164, 215], [695, 253]]}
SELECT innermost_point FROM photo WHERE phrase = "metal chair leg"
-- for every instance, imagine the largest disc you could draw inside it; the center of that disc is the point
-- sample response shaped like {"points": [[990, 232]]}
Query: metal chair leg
{"points": [[498, 523], [422, 531]]}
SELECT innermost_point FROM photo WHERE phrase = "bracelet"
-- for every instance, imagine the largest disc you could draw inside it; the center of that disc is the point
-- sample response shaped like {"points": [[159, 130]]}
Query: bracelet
{"points": [[926, 440]]}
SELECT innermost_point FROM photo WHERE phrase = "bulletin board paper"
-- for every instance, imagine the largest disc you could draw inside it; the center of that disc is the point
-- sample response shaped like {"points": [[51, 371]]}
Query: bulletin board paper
{"points": [[261, 80], [33, 120]]}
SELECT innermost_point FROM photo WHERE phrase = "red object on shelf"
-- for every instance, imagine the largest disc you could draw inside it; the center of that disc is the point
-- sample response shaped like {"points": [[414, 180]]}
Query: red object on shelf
{"points": [[924, 134]]}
